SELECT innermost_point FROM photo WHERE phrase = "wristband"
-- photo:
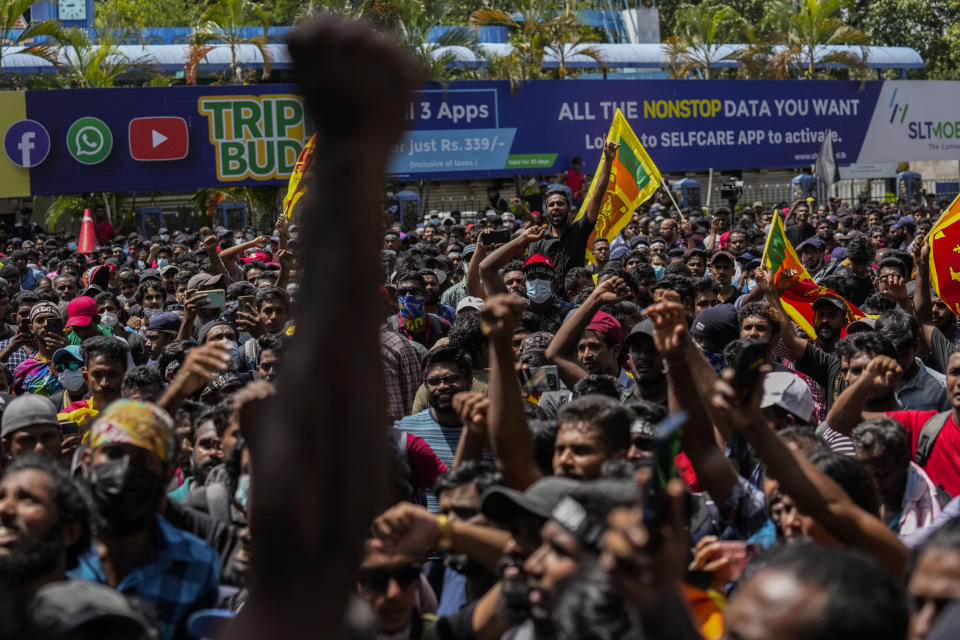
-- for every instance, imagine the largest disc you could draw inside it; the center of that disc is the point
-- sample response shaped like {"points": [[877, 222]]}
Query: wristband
{"points": [[445, 537]]}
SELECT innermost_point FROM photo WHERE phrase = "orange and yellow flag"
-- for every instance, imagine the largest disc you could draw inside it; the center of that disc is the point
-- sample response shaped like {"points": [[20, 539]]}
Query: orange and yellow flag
{"points": [[780, 256], [633, 179]]}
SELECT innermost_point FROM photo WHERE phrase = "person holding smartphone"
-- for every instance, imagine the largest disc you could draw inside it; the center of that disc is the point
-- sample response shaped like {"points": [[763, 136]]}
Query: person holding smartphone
{"points": [[36, 374]]}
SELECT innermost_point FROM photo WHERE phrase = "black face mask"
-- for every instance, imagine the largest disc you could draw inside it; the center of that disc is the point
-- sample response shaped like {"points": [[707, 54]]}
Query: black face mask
{"points": [[125, 495]]}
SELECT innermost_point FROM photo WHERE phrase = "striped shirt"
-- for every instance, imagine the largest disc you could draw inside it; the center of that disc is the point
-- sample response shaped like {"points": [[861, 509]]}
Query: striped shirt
{"points": [[443, 440]]}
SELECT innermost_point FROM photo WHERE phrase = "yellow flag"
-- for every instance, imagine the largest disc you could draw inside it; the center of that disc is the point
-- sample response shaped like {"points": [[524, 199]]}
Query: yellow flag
{"points": [[633, 179], [296, 187]]}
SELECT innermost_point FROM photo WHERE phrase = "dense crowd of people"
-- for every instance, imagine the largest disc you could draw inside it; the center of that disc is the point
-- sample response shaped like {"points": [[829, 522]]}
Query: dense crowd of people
{"points": [[124, 498], [645, 444]]}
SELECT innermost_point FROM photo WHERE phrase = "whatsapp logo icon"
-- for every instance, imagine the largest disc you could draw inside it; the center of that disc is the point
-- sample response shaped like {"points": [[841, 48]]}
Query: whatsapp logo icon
{"points": [[89, 140]]}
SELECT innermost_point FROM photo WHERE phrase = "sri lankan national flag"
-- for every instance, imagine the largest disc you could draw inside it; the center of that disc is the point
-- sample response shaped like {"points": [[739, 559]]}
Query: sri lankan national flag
{"points": [[944, 242], [797, 301], [297, 187], [633, 179]]}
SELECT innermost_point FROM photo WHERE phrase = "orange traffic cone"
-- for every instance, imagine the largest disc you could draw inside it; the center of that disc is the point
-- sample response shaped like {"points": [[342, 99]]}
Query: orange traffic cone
{"points": [[88, 237]]}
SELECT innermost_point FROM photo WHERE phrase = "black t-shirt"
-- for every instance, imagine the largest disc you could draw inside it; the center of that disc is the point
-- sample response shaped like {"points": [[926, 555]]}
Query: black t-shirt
{"points": [[797, 234], [567, 251], [860, 289], [825, 370]]}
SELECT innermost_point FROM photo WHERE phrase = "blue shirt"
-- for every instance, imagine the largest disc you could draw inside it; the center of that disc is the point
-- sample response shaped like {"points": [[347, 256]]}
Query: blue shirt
{"points": [[180, 575], [29, 281]]}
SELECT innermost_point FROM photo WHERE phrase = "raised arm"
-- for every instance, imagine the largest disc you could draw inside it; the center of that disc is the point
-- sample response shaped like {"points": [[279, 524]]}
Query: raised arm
{"points": [[308, 525], [879, 377], [216, 263], [509, 435], [922, 302], [230, 253], [490, 266], [772, 293], [714, 471], [475, 286], [562, 350], [815, 494], [593, 206]]}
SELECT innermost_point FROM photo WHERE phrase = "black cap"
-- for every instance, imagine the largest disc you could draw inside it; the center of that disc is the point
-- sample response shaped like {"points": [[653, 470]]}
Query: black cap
{"points": [[829, 300], [502, 504], [642, 328]]}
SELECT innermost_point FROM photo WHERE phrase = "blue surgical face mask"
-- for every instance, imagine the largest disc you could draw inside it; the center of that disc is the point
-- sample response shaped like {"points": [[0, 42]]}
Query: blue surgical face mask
{"points": [[141, 264], [162, 262], [658, 271], [539, 290]]}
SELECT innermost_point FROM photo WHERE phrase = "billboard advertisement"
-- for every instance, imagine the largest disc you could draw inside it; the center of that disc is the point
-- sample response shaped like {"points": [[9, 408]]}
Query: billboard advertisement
{"points": [[184, 138]]}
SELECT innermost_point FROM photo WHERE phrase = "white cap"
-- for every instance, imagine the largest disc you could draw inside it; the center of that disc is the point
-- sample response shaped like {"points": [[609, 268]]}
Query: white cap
{"points": [[789, 392], [469, 302]]}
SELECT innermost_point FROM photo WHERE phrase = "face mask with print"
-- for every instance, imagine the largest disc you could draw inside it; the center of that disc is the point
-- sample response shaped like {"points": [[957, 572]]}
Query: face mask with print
{"points": [[412, 312], [539, 290], [71, 380]]}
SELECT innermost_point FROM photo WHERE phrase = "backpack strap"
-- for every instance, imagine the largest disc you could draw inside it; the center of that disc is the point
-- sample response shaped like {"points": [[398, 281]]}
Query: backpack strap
{"points": [[928, 435]]}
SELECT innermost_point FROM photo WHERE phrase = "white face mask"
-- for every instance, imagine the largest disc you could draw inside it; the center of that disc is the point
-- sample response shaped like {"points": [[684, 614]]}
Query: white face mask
{"points": [[71, 380], [539, 290], [109, 319]]}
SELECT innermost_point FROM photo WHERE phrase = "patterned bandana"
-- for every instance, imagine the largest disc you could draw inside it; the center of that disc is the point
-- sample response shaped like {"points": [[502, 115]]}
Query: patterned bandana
{"points": [[141, 424], [43, 307], [412, 312]]}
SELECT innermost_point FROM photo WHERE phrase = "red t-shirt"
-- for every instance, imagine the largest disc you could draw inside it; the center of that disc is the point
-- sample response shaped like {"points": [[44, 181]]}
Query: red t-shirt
{"points": [[943, 467], [425, 466], [575, 180]]}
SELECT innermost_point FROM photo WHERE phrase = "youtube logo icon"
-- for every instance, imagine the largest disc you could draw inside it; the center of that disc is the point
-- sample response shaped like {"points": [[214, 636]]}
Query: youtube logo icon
{"points": [[159, 138]]}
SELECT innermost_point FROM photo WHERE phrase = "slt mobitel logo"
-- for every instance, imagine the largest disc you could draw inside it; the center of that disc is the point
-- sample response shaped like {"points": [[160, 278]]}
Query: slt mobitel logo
{"points": [[255, 137], [942, 135]]}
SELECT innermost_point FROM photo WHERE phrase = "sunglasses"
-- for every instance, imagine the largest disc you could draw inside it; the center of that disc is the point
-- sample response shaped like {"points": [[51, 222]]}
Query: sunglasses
{"points": [[378, 580], [437, 381], [73, 365], [412, 291]]}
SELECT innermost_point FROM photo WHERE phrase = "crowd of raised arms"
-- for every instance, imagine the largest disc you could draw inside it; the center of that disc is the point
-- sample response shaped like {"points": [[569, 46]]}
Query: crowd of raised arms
{"points": [[557, 438]]}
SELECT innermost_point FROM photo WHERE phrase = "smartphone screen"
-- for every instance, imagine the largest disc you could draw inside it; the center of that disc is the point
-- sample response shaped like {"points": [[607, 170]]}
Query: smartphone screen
{"points": [[245, 304], [496, 237], [55, 325], [216, 298], [69, 428]]}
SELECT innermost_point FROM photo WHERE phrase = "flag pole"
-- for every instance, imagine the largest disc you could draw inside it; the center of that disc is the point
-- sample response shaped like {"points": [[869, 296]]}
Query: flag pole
{"points": [[663, 184], [766, 245]]}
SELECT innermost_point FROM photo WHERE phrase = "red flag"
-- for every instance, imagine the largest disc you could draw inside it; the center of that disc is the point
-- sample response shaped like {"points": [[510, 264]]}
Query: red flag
{"points": [[945, 256]]}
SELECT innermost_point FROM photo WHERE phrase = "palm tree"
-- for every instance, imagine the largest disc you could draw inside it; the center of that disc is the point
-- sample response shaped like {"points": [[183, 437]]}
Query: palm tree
{"points": [[819, 23], [412, 25], [11, 13], [537, 30], [86, 65], [700, 30], [220, 26]]}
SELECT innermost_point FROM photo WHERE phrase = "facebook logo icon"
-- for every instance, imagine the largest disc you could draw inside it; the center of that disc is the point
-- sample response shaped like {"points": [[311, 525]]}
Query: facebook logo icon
{"points": [[26, 143]]}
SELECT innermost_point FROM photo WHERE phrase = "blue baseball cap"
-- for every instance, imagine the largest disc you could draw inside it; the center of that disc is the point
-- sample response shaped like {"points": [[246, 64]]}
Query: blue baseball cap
{"points": [[69, 350]]}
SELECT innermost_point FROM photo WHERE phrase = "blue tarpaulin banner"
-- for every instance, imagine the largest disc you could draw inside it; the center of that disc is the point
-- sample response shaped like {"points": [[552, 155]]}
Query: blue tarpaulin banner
{"points": [[184, 138]]}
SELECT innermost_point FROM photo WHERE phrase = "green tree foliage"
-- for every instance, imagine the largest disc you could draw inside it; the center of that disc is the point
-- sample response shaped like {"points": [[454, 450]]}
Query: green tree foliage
{"points": [[220, 26], [536, 28], [929, 26], [10, 12], [821, 22], [692, 49]]}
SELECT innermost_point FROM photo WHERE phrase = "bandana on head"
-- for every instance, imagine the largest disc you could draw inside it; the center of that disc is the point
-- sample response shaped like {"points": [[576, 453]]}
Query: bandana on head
{"points": [[43, 307], [138, 423]]}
